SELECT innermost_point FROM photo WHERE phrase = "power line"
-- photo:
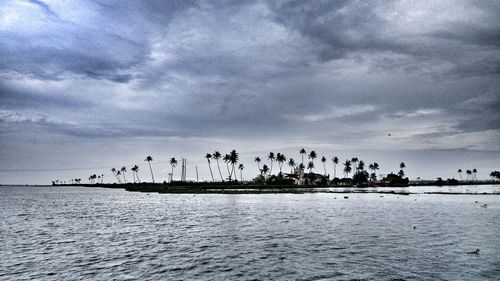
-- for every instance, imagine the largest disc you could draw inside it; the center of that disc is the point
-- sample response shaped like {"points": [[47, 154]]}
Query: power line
{"points": [[69, 169]]}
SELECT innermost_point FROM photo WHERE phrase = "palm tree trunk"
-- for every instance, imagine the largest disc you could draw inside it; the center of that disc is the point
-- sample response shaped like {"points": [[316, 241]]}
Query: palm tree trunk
{"points": [[324, 167], [133, 175], [210, 167], [232, 171], [228, 172], [137, 176], [334, 170], [172, 174], [151, 170], [124, 178], [119, 181], [218, 167]]}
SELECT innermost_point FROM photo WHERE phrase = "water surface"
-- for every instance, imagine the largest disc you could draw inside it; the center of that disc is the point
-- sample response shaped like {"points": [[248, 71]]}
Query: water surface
{"points": [[55, 233]]}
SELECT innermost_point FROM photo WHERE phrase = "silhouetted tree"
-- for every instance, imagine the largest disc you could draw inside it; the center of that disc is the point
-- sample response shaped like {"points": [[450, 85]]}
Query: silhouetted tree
{"points": [[257, 160], [354, 162], [173, 163], [271, 158], [233, 159], [310, 166], [113, 170], [209, 156], [361, 165], [135, 171], [312, 156], [323, 159], [280, 158], [226, 160], [124, 170], [292, 165], [217, 156], [241, 167], [265, 169], [347, 168], [335, 161], [302, 152], [149, 159]]}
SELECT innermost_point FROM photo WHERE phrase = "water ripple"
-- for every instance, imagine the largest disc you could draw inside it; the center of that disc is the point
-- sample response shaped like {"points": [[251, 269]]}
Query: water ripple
{"points": [[82, 233]]}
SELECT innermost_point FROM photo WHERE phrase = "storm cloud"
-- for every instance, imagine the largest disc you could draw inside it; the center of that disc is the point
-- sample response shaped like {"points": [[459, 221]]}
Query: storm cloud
{"points": [[181, 78]]}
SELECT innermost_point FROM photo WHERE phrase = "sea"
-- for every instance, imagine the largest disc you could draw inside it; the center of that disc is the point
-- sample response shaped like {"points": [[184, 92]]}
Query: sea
{"points": [[84, 233]]}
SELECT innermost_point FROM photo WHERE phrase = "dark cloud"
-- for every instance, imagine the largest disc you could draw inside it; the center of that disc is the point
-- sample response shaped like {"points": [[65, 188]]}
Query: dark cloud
{"points": [[15, 98], [333, 74]]}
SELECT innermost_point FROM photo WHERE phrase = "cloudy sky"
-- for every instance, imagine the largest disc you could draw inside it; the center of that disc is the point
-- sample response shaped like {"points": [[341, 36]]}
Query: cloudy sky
{"points": [[90, 85]]}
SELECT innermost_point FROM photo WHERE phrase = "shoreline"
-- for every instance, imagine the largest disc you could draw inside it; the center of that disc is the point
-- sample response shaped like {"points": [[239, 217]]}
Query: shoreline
{"points": [[268, 189]]}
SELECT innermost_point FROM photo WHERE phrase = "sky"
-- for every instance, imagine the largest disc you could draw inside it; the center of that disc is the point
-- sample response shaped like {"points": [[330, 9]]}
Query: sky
{"points": [[90, 85]]}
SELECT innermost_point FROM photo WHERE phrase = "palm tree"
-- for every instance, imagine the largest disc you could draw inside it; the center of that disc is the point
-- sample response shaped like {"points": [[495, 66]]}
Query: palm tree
{"points": [[102, 178], [361, 165], [375, 167], [173, 163], [312, 156], [355, 160], [347, 168], [118, 173], [113, 170], [301, 167], [302, 153], [460, 173], [335, 161], [323, 159], [257, 160], [209, 156], [241, 167], [474, 171], [135, 169], [401, 173], [233, 159], [280, 158], [226, 160], [149, 159], [468, 173], [402, 165], [217, 156], [265, 169], [310, 166], [271, 158], [292, 165], [124, 170], [371, 168]]}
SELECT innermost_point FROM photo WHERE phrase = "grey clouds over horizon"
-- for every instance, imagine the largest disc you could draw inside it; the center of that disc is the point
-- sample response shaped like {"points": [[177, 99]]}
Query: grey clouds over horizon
{"points": [[123, 79]]}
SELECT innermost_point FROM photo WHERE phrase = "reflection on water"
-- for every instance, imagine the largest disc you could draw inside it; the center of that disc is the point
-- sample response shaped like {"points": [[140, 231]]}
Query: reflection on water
{"points": [[467, 189], [72, 233]]}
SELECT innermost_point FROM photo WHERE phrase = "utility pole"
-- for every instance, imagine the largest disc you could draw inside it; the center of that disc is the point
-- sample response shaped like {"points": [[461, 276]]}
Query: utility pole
{"points": [[196, 173]]}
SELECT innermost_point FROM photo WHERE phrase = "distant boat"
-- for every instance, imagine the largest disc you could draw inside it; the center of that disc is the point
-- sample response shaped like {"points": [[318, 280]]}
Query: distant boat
{"points": [[476, 252]]}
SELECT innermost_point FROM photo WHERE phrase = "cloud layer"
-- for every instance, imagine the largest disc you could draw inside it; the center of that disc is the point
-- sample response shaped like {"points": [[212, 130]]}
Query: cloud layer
{"points": [[254, 75]]}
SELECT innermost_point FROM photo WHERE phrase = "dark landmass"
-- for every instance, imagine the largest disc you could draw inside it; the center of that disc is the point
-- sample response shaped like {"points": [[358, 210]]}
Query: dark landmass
{"points": [[242, 188]]}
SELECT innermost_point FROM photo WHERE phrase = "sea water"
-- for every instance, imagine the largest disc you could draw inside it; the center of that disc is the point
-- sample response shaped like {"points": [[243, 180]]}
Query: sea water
{"points": [[71, 233]]}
